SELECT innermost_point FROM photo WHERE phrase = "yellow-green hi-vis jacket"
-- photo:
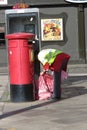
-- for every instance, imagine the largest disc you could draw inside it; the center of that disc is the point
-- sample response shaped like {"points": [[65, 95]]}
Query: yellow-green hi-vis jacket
{"points": [[48, 55]]}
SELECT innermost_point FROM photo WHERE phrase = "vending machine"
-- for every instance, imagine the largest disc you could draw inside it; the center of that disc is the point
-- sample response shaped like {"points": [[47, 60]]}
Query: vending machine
{"points": [[26, 21]]}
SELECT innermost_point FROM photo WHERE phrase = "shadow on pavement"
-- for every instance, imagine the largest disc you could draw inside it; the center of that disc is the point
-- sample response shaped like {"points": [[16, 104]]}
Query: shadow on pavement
{"points": [[11, 113], [76, 80], [74, 86], [73, 91]]}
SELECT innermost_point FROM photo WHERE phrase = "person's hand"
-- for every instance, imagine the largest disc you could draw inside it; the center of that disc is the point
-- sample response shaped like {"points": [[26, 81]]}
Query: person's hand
{"points": [[43, 72]]}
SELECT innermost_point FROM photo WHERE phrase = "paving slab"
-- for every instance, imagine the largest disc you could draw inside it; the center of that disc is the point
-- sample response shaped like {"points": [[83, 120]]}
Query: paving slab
{"points": [[70, 113]]}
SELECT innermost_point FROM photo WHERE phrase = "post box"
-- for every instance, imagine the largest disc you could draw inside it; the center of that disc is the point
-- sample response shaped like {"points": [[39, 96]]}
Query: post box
{"points": [[21, 66]]}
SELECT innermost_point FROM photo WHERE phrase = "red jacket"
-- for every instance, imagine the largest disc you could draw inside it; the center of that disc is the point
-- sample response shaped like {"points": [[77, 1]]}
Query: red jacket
{"points": [[59, 63]]}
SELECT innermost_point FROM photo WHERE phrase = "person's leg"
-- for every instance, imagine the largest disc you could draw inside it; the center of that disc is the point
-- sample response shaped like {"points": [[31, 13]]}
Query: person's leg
{"points": [[57, 81], [57, 85]]}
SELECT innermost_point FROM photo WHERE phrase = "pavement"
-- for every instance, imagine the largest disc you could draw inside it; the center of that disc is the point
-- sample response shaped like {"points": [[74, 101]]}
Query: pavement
{"points": [[70, 113]]}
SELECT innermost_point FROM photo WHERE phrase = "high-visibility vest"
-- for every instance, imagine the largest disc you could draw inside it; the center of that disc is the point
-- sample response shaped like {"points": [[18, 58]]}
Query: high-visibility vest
{"points": [[48, 55]]}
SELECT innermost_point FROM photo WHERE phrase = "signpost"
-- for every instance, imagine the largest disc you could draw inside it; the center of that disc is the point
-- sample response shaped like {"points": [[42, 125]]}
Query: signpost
{"points": [[77, 1]]}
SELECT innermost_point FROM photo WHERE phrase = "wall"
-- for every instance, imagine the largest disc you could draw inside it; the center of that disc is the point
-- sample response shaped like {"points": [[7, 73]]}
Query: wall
{"points": [[3, 57], [38, 2], [86, 32], [70, 43]]}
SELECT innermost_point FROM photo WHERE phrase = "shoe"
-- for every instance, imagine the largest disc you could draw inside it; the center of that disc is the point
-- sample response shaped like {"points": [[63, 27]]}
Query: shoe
{"points": [[53, 99]]}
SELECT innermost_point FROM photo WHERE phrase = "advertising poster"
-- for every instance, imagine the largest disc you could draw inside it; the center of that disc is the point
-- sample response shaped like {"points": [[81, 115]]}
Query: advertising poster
{"points": [[52, 29]]}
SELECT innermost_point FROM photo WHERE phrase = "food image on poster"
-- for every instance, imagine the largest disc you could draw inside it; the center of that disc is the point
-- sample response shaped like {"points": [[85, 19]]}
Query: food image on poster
{"points": [[52, 29]]}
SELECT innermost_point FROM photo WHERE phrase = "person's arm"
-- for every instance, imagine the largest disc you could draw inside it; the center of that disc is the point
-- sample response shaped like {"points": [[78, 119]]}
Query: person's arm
{"points": [[45, 68]]}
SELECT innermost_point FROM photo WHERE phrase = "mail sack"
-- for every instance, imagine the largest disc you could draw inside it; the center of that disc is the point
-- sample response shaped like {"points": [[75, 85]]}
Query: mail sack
{"points": [[45, 86]]}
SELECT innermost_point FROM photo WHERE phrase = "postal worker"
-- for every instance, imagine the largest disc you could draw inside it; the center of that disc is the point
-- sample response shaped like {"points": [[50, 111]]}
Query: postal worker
{"points": [[56, 61]]}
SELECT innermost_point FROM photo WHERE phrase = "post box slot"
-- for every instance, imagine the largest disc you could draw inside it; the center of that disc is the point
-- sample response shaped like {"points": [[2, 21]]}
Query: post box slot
{"points": [[27, 45]]}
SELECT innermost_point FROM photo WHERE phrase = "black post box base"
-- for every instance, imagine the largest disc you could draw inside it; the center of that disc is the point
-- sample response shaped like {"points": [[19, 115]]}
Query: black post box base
{"points": [[21, 93]]}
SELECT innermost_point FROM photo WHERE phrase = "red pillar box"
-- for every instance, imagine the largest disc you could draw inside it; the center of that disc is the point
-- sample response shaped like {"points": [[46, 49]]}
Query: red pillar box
{"points": [[21, 68]]}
